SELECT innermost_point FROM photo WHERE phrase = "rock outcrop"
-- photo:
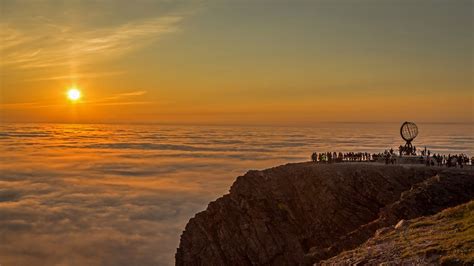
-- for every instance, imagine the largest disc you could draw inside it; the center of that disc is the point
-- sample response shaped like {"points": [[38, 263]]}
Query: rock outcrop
{"points": [[446, 238], [305, 213]]}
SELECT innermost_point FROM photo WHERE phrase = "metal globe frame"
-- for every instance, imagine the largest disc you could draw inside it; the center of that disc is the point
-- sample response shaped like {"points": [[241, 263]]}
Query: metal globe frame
{"points": [[408, 132]]}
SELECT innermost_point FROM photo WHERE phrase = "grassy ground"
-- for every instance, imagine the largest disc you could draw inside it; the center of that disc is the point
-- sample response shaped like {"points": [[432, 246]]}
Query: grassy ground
{"points": [[445, 238]]}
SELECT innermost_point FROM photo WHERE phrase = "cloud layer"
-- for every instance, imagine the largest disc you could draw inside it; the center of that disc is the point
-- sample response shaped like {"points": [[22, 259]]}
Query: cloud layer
{"points": [[121, 195]]}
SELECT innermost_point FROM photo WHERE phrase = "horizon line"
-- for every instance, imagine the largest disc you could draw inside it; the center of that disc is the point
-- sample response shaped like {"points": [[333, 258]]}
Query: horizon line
{"points": [[233, 124]]}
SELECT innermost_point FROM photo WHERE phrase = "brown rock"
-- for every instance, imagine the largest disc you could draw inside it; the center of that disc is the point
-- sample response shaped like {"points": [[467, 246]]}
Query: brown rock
{"points": [[302, 213], [401, 224]]}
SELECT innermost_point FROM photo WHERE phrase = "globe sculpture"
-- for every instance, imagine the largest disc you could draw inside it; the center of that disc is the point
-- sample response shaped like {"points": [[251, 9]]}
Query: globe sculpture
{"points": [[408, 131]]}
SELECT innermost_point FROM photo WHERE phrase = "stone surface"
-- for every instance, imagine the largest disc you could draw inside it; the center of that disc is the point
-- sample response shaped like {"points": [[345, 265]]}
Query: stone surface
{"points": [[401, 224], [304, 213]]}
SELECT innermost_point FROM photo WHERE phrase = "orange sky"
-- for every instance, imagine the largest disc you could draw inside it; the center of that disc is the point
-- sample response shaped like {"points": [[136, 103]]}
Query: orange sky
{"points": [[236, 62]]}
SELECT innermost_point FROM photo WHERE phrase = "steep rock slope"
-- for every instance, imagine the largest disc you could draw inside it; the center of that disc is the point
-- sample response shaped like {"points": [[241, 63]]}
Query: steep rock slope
{"points": [[303, 213], [446, 238], [445, 189]]}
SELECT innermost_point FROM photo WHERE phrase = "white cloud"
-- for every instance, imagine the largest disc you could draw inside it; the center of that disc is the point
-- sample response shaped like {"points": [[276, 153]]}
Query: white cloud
{"points": [[47, 46]]}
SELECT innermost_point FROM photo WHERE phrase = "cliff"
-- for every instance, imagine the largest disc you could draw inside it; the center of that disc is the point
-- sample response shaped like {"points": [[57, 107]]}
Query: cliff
{"points": [[305, 213], [446, 238]]}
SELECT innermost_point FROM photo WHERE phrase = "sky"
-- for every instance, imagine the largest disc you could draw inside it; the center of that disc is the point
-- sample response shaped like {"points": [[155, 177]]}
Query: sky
{"points": [[237, 62]]}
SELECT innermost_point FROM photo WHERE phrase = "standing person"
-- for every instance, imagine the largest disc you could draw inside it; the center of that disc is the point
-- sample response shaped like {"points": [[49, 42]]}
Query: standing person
{"points": [[314, 157]]}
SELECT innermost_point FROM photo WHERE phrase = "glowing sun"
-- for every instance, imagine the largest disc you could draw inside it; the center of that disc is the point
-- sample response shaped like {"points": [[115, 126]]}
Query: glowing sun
{"points": [[73, 94]]}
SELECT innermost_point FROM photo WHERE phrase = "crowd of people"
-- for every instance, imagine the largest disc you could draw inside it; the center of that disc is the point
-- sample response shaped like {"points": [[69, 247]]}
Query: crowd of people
{"points": [[331, 157], [389, 157], [449, 160]]}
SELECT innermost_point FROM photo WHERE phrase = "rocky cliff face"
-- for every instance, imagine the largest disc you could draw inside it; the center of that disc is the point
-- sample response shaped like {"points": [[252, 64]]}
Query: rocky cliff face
{"points": [[305, 213]]}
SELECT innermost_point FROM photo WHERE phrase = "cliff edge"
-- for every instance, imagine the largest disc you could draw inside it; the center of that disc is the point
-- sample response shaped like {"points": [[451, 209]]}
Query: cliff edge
{"points": [[301, 214]]}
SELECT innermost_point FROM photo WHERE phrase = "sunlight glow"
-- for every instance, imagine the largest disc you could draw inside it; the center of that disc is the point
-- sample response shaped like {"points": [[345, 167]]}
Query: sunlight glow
{"points": [[73, 94]]}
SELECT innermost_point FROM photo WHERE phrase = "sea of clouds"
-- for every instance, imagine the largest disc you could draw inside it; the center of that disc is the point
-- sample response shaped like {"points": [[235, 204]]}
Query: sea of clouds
{"points": [[121, 195]]}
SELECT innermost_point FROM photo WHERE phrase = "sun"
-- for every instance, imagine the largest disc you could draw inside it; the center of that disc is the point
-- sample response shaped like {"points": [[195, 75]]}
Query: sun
{"points": [[73, 94]]}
